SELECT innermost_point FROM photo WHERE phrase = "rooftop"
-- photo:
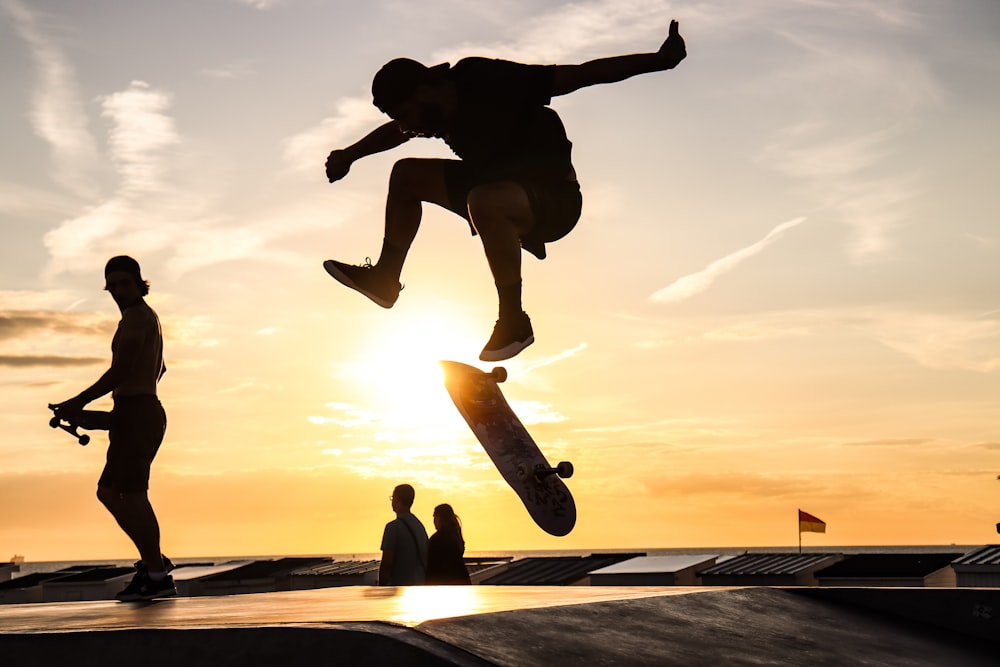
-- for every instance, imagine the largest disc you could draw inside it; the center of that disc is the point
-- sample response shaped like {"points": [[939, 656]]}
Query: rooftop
{"points": [[769, 564]]}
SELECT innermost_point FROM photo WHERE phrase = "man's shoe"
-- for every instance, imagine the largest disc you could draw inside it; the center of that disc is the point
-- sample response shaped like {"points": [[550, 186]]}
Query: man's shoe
{"points": [[131, 592], [144, 588], [510, 336], [168, 565], [134, 588], [365, 279]]}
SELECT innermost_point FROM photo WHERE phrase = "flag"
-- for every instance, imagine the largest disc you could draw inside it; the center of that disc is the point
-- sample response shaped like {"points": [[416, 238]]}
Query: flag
{"points": [[810, 524]]}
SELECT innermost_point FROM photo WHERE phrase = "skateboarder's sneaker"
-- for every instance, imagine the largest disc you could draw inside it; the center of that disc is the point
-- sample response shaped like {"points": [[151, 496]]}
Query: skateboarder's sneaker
{"points": [[143, 587], [366, 279], [510, 336], [134, 590], [168, 564]]}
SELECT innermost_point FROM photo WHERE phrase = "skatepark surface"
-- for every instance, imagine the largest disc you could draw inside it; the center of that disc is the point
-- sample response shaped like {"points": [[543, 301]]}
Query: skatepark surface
{"points": [[510, 625]]}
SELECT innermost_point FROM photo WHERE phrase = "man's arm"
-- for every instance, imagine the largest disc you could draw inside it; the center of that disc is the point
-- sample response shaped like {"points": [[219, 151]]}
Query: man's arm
{"points": [[568, 78], [126, 354], [385, 567], [382, 138]]}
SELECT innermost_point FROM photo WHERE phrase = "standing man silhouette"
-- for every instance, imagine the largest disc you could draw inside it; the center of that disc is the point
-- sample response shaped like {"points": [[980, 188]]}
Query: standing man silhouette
{"points": [[515, 184], [138, 424], [404, 543]]}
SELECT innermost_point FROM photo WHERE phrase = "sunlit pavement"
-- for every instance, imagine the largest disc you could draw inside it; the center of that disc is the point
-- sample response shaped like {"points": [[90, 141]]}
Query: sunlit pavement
{"points": [[408, 606]]}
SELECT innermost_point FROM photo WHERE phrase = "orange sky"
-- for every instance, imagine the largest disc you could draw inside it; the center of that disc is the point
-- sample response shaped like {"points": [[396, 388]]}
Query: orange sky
{"points": [[782, 293]]}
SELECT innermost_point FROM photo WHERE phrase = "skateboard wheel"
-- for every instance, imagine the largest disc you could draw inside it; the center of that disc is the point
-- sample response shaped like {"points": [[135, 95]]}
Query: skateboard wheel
{"points": [[564, 469], [84, 439], [54, 422], [499, 374], [523, 472]]}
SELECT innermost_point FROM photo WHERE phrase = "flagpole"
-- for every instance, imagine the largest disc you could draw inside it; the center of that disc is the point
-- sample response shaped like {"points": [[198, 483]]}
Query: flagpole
{"points": [[799, 524]]}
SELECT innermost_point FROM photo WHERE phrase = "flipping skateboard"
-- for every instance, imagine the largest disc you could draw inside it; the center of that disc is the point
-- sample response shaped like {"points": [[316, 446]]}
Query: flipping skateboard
{"points": [[515, 454], [90, 420]]}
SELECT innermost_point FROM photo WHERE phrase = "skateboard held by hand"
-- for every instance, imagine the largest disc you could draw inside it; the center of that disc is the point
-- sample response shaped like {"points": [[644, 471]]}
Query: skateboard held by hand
{"points": [[89, 420]]}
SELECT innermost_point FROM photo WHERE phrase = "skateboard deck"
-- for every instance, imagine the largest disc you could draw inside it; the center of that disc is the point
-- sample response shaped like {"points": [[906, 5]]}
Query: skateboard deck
{"points": [[90, 420], [516, 456]]}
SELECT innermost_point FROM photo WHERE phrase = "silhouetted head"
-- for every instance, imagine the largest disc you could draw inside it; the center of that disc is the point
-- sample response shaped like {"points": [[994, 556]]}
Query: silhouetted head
{"points": [[445, 519], [402, 498], [411, 93], [123, 279]]}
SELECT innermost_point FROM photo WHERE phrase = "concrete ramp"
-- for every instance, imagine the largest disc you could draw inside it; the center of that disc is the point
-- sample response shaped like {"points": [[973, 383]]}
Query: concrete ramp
{"points": [[524, 626], [753, 626]]}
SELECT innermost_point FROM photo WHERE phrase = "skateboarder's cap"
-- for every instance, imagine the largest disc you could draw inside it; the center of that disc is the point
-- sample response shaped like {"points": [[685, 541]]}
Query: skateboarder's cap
{"points": [[123, 263], [398, 79]]}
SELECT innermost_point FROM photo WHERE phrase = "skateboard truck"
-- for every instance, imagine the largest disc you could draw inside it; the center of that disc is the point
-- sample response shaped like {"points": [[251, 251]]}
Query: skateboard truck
{"points": [[563, 469], [94, 420], [56, 422]]}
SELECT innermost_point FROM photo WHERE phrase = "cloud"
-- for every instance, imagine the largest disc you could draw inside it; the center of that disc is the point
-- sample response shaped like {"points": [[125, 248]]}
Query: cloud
{"points": [[354, 116], [232, 71], [940, 341], [39, 360], [692, 284], [810, 150], [571, 30], [26, 324], [262, 5], [548, 361], [141, 131], [57, 114]]}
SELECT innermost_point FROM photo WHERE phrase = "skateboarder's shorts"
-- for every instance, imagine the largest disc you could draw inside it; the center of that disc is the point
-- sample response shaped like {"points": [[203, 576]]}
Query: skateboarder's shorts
{"points": [[555, 202], [137, 427]]}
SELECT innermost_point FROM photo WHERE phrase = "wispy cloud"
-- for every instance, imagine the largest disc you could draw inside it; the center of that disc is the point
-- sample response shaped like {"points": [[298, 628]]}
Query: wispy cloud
{"points": [[933, 340], [57, 114], [940, 341], [688, 286], [32, 361], [260, 4], [232, 71], [548, 361], [26, 324], [858, 110], [141, 131]]}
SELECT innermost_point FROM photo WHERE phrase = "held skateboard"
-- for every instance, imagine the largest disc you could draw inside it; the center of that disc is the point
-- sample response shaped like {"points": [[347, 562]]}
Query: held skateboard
{"points": [[90, 420], [515, 454]]}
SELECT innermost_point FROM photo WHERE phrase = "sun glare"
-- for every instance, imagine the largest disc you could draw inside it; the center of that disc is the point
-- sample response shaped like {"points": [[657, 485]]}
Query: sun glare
{"points": [[398, 375]]}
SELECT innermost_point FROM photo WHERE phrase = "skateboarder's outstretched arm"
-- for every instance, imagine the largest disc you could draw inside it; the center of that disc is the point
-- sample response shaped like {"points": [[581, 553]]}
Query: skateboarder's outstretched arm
{"points": [[568, 78], [382, 138]]}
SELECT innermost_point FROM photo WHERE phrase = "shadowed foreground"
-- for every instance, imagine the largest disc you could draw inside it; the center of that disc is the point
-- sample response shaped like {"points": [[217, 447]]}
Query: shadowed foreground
{"points": [[482, 625]]}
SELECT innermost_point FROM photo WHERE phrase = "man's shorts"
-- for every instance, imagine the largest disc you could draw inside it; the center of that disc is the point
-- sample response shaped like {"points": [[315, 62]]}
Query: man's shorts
{"points": [[555, 203], [137, 427]]}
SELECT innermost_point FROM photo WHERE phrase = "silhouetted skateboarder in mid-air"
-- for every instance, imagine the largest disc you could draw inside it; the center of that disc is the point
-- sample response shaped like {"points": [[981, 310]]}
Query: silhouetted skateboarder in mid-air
{"points": [[514, 184]]}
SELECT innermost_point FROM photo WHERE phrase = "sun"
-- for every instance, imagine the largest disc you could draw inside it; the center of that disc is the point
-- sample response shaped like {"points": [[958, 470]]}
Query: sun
{"points": [[398, 371]]}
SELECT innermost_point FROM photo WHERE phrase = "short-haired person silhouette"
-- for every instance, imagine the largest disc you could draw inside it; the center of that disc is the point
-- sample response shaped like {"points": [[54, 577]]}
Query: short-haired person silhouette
{"points": [[514, 182], [404, 543], [138, 424]]}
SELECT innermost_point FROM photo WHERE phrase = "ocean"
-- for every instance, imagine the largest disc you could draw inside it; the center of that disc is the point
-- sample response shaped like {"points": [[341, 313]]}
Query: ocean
{"points": [[29, 567]]}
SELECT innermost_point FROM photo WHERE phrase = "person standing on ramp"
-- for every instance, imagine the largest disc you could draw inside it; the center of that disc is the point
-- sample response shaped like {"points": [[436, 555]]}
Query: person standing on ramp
{"points": [[138, 424]]}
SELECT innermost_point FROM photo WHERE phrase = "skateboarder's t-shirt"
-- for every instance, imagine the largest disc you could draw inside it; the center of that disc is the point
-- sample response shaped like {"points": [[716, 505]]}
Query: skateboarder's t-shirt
{"points": [[407, 539], [503, 124]]}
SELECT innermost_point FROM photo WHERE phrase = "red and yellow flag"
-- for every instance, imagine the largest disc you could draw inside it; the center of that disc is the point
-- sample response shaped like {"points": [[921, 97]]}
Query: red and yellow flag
{"points": [[810, 524]]}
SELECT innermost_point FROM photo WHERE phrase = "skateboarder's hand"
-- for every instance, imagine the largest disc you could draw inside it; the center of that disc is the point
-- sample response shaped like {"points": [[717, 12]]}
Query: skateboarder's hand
{"points": [[68, 409], [337, 165], [673, 50]]}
